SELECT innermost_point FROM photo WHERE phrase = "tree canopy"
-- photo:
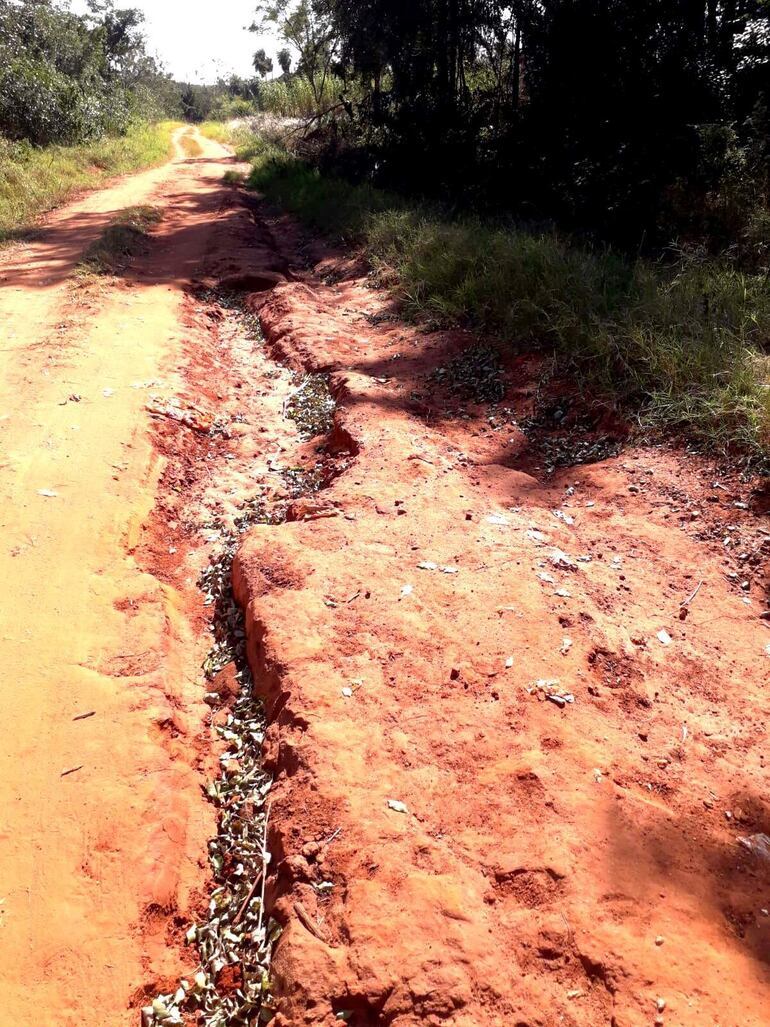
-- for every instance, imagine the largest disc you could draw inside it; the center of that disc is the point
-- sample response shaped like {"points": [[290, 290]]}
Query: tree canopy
{"points": [[601, 113], [66, 78]]}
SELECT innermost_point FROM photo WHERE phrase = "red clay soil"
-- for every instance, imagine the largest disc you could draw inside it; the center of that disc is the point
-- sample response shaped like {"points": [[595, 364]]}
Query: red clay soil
{"points": [[510, 784], [105, 739], [454, 841]]}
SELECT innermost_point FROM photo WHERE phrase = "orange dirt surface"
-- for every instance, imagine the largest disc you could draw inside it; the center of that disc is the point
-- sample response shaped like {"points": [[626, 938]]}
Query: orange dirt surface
{"points": [[511, 769], [103, 828], [454, 842]]}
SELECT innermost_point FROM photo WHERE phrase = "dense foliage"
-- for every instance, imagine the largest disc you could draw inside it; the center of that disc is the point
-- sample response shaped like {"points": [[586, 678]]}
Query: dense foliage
{"points": [[69, 79], [641, 121]]}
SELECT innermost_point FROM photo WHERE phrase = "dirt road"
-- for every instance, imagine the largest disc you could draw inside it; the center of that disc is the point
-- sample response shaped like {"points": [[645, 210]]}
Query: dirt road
{"points": [[514, 667], [91, 861]]}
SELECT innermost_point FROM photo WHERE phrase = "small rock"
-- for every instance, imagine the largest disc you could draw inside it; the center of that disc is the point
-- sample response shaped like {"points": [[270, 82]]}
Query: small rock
{"points": [[310, 850], [562, 561], [659, 940], [397, 806]]}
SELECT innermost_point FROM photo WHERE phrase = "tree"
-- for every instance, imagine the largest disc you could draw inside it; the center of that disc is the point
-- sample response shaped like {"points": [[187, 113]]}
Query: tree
{"points": [[595, 112], [306, 28], [67, 78], [284, 60], [263, 64]]}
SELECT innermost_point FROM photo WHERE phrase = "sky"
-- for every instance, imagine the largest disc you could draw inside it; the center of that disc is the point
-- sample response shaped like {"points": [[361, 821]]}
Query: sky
{"points": [[197, 40]]}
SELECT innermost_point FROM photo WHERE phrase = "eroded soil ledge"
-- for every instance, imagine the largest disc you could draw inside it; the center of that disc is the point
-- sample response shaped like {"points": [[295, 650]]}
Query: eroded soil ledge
{"points": [[516, 718]]}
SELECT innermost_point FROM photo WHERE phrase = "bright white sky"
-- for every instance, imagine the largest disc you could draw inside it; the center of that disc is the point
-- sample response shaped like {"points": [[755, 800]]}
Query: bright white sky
{"points": [[197, 40]]}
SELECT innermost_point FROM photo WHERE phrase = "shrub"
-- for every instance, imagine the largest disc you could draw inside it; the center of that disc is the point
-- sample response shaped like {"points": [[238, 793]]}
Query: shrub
{"points": [[232, 107]]}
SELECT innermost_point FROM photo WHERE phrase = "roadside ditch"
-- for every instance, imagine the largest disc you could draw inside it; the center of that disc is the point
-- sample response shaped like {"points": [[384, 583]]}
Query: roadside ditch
{"points": [[235, 935]]}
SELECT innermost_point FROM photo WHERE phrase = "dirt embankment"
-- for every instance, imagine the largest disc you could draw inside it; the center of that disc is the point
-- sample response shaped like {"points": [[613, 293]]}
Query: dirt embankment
{"points": [[517, 713]]}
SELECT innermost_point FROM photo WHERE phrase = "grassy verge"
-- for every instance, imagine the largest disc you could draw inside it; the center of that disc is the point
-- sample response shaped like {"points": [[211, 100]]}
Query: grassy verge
{"points": [[219, 131], [34, 180], [683, 345]]}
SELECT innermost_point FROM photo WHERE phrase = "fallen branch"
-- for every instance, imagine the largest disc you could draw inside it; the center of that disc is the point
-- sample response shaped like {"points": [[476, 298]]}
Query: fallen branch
{"points": [[309, 923]]}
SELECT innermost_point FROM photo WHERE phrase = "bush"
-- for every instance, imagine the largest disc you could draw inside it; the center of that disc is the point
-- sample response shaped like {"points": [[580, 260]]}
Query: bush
{"points": [[67, 79], [231, 108], [40, 104]]}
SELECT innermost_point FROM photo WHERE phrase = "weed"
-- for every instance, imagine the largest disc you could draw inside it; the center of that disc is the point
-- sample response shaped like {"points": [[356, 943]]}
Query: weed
{"points": [[190, 144]]}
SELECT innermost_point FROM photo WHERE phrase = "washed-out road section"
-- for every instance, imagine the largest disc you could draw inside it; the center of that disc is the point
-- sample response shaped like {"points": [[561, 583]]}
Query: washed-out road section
{"points": [[516, 712]]}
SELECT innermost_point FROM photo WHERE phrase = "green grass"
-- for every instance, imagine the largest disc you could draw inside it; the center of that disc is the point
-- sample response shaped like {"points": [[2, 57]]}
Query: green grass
{"points": [[125, 238], [33, 180], [331, 205], [683, 346]]}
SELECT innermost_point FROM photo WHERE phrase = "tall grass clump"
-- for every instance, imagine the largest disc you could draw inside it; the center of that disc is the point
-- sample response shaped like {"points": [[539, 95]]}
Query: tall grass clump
{"points": [[219, 131], [686, 344], [125, 238], [33, 179], [294, 97]]}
